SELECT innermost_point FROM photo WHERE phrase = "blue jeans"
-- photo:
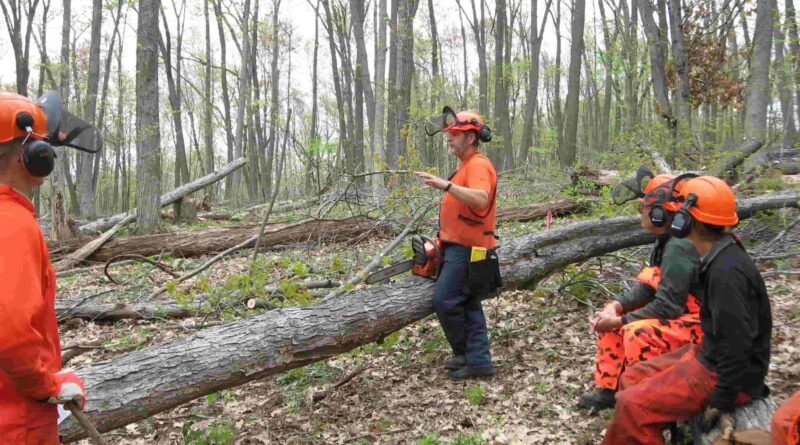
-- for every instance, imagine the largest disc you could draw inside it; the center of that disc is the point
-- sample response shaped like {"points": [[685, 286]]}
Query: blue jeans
{"points": [[460, 315]]}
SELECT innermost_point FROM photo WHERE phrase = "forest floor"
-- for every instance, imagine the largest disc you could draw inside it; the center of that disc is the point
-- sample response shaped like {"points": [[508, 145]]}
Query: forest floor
{"points": [[540, 340]]}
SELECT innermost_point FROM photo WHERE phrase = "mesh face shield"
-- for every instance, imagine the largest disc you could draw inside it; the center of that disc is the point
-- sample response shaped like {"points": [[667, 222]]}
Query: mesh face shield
{"points": [[441, 121], [632, 188], [64, 128]]}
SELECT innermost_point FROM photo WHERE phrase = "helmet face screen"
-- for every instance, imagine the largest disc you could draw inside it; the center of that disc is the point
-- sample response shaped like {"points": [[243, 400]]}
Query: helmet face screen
{"points": [[65, 128], [632, 188], [441, 121]]}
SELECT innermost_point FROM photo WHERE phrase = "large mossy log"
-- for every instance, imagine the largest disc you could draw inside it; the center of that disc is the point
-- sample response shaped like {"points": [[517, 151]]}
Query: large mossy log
{"points": [[140, 384]]}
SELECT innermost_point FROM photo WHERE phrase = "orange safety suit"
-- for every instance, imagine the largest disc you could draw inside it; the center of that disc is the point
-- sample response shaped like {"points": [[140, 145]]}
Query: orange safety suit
{"points": [[460, 224], [30, 353], [786, 422], [642, 340]]}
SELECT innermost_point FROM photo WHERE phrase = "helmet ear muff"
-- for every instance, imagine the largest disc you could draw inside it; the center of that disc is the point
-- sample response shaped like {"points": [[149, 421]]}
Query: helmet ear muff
{"points": [[39, 158], [682, 221], [658, 215], [485, 133]]}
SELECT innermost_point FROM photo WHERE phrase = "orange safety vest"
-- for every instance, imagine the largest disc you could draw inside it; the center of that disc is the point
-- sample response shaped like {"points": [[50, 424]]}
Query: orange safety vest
{"points": [[651, 276], [30, 353], [460, 224]]}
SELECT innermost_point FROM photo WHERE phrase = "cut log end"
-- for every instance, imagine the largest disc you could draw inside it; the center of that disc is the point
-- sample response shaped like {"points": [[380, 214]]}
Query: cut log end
{"points": [[752, 425]]}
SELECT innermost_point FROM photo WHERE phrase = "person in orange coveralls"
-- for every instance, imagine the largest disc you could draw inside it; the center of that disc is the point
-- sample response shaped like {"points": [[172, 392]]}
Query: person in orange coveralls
{"points": [[31, 380], [786, 422], [661, 312], [730, 366]]}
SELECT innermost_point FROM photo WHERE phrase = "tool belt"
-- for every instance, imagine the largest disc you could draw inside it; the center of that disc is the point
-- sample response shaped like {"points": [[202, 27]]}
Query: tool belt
{"points": [[483, 272]]}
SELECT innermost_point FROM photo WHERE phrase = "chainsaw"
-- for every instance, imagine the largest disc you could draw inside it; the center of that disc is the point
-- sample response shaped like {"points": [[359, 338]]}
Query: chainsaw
{"points": [[425, 263]]}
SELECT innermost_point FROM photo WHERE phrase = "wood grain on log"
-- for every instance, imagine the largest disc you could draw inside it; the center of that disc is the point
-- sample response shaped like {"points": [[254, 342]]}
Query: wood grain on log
{"points": [[139, 384]]}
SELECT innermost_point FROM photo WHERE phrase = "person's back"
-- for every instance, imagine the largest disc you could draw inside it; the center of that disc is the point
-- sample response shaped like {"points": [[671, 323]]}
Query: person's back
{"points": [[736, 321]]}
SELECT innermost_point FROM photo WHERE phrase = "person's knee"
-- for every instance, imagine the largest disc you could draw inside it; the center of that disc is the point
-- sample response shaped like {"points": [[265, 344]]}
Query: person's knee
{"points": [[445, 304]]}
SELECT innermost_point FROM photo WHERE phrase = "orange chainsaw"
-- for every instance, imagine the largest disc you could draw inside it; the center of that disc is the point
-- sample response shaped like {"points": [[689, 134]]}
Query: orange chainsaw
{"points": [[425, 263]]}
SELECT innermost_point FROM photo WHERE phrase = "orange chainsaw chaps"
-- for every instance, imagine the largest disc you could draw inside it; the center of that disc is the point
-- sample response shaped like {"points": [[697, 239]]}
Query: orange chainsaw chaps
{"points": [[642, 340]]}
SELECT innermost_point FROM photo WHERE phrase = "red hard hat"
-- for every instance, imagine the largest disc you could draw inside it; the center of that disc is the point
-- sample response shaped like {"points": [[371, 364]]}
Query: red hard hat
{"points": [[12, 108], [716, 203], [465, 120]]}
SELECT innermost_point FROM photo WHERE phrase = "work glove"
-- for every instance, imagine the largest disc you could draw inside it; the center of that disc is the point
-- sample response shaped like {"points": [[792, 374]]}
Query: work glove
{"points": [[70, 387], [713, 417]]}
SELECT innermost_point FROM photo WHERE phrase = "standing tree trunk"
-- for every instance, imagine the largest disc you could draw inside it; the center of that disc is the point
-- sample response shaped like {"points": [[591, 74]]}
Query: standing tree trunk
{"points": [[337, 83], [658, 73], [500, 90], [532, 96], [86, 190], [794, 45], [208, 105], [679, 54], [148, 133], [244, 101], [400, 92], [567, 152], [226, 98], [758, 87], [173, 73], [13, 11], [312, 152], [782, 85], [274, 107], [358, 12], [380, 92]]}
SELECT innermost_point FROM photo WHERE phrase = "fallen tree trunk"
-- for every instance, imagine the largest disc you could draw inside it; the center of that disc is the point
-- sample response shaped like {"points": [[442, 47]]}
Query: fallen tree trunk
{"points": [[738, 155], [157, 310], [137, 385], [560, 206], [89, 248], [104, 224], [187, 244], [752, 425]]}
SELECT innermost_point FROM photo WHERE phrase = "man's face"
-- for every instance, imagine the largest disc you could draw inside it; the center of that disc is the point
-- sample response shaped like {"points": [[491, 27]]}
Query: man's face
{"points": [[457, 142]]}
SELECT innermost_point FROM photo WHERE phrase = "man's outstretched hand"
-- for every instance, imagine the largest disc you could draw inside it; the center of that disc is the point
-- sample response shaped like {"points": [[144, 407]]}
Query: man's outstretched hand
{"points": [[432, 181]]}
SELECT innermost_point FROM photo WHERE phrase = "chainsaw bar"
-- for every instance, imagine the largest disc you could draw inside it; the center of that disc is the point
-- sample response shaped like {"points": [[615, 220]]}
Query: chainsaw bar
{"points": [[394, 269]]}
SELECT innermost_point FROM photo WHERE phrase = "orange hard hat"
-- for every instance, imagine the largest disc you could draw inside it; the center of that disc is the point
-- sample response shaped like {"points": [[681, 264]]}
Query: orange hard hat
{"points": [[17, 113], [464, 121], [715, 202]]}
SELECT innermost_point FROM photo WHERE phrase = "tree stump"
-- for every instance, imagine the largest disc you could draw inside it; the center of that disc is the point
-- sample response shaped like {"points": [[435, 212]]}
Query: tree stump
{"points": [[752, 425], [62, 228]]}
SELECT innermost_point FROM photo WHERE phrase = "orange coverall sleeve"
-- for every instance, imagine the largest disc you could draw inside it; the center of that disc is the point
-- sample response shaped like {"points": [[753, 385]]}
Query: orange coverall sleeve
{"points": [[22, 346]]}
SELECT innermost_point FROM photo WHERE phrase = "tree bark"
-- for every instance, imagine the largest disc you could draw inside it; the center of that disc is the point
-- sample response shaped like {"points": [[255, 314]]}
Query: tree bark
{"points": [[148, 133], [568, 151], [86, 190], [658, 73], [176, 194], [244, 101], [13, 11], [187, 244], [782, 85], [532, 94], [139, 384], [680, 56], [208, 104], [226, 99], [501, 117], [378, 142], [758, 86]]}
